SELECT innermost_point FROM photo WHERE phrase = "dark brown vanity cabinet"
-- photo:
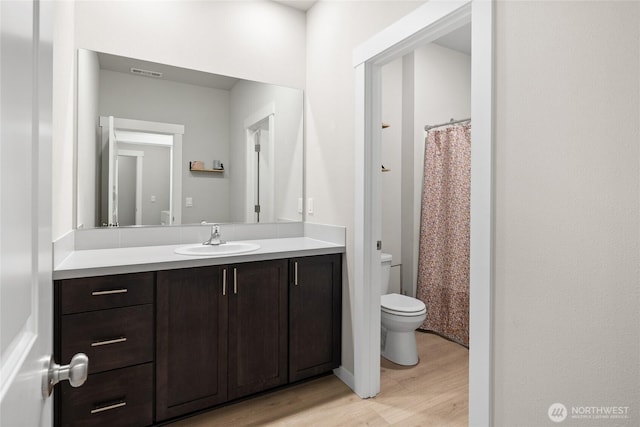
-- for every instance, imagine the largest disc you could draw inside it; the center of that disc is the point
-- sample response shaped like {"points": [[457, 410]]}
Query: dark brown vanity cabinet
{"points": [[169, 343], [315, 313], [221, 334], [110, 319]]}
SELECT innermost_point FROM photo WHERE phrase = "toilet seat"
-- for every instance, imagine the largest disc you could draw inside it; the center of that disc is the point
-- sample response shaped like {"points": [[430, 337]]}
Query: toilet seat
{"points": [[402, 305]]}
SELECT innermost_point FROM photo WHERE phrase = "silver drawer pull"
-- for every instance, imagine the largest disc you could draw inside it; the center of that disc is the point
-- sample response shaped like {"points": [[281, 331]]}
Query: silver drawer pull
{"points": [[295, 279], [108, 408], [107, 342], [235, 281], [110, 292], [224, 281]]}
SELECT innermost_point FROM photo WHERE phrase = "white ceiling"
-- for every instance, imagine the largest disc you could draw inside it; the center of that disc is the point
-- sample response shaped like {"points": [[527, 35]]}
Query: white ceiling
{"points": [[303, 5]]}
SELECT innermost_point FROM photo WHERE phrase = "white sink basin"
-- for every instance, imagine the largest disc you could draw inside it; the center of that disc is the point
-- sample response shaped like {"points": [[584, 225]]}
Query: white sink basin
{"points": [[212, 250]]}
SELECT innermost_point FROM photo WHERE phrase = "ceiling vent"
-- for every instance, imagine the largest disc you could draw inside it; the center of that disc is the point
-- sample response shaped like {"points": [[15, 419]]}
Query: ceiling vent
{"points": [[146, 73]]}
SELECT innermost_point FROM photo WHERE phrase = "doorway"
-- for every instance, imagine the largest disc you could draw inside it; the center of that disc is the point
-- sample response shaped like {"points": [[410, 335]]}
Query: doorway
{"points": [[260, 161], [424, 25], [158, 190], [129, 164]]}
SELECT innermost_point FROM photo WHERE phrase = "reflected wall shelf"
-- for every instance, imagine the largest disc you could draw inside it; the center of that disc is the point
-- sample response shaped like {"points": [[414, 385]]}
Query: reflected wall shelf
{"points": [[200, 169], [207, 170]]}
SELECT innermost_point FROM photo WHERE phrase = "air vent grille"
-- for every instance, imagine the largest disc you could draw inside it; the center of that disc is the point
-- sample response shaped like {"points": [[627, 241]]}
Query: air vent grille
{"points": [[146, 73]]}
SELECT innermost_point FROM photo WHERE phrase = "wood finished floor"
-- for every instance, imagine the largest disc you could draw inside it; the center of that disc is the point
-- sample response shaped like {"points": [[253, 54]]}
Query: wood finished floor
{"points": [[433, 393]]}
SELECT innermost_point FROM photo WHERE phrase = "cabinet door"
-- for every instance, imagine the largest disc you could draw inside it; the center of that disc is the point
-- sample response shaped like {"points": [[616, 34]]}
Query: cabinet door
{"points": [[191, 357], [257, 327], [315, 304]]}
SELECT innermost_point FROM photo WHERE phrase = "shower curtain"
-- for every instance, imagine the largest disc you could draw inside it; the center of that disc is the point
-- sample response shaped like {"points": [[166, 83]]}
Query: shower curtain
{"points": [[443, 265]]}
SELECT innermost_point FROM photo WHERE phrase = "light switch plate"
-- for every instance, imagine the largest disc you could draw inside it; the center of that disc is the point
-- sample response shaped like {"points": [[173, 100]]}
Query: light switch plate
{"points": [[310, 205], [188, 202]]}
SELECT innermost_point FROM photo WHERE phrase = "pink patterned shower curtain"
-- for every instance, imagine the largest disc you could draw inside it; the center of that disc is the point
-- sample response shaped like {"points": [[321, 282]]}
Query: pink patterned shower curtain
{"points": [[443, 266]]}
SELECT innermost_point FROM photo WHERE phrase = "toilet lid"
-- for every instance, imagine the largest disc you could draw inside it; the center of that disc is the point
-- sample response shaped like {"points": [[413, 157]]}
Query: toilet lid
{"points": [[401, 303]]}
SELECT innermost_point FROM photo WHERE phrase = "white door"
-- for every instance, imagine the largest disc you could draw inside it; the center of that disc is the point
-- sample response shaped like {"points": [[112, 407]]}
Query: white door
{"points": [[25, 211]]}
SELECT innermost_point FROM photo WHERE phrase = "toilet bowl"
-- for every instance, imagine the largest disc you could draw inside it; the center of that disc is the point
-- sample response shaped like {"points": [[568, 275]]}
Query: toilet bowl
{"points": [[400, 316]]}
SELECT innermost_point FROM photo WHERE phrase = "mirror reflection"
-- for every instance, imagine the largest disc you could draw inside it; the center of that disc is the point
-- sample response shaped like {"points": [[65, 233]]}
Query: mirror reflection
{"points": [[127, 145], [232, 148]]}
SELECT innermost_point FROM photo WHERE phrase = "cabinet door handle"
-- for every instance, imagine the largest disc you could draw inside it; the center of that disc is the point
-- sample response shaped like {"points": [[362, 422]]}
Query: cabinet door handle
{"points": [[295, 273], [108, 407], [224, 281], [109, 292], [235, 281], [107, 342]]}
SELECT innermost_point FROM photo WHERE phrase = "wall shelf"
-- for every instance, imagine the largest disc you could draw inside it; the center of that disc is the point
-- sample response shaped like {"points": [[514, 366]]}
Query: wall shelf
{"points": [[199, 168], [207, 170]]}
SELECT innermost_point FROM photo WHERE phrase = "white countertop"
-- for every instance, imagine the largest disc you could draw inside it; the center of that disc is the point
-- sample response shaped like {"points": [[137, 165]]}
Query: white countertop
{"points": [[99, 262]]}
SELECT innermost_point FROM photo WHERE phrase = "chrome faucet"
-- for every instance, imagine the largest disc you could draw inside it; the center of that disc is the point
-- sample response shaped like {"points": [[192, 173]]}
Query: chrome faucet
{"points": [[214, 239]]}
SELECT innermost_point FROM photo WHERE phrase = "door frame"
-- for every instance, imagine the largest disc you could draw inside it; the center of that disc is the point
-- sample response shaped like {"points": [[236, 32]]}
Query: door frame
{"points": [[425, 24], [175, 155], [250, 125]]}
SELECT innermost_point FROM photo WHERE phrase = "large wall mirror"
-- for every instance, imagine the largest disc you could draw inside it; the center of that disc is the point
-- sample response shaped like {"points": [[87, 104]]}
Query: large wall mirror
{"points": [[161, 145]]}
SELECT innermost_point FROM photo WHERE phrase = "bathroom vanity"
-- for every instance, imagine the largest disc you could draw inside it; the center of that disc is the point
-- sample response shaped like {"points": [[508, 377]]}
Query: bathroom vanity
{"points": [[173, 335]]}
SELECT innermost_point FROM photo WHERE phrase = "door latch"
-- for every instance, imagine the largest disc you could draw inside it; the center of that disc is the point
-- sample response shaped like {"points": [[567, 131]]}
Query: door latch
{"points": [[76, 372]]}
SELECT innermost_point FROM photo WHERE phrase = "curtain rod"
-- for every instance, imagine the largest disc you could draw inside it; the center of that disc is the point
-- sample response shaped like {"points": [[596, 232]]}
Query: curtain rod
{"points": [[450, 122]]}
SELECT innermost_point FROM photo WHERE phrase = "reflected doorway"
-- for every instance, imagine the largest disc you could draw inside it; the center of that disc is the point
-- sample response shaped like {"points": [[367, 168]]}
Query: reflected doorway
{"points": [[129, 164], [260, 135]]}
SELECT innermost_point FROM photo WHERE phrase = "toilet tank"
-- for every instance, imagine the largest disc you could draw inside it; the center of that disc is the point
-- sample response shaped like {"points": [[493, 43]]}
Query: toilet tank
{"points": [[385, 261]]}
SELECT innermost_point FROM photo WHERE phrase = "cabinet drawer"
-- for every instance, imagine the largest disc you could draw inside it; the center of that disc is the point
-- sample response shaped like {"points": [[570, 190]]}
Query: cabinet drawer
{"points": [[111, 338], [116, 398], [97, 293]]}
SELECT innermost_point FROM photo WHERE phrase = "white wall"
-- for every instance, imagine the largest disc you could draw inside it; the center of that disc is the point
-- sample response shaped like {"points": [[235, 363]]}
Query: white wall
{"points": [[567, 210], [63, 156], [334, 29], [88, 137], [219, 37], [203, 111]]}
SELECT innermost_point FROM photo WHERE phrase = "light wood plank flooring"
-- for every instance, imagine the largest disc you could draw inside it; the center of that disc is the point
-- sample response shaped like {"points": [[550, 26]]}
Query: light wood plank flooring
{"points": [[433, 393]]}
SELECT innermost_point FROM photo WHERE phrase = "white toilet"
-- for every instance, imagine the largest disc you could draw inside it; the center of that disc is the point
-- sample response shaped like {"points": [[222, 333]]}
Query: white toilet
{"points": [[400, 317]]}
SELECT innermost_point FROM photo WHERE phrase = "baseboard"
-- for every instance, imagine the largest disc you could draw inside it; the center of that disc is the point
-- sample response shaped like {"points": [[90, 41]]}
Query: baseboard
{"points": [[345, 376]]}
